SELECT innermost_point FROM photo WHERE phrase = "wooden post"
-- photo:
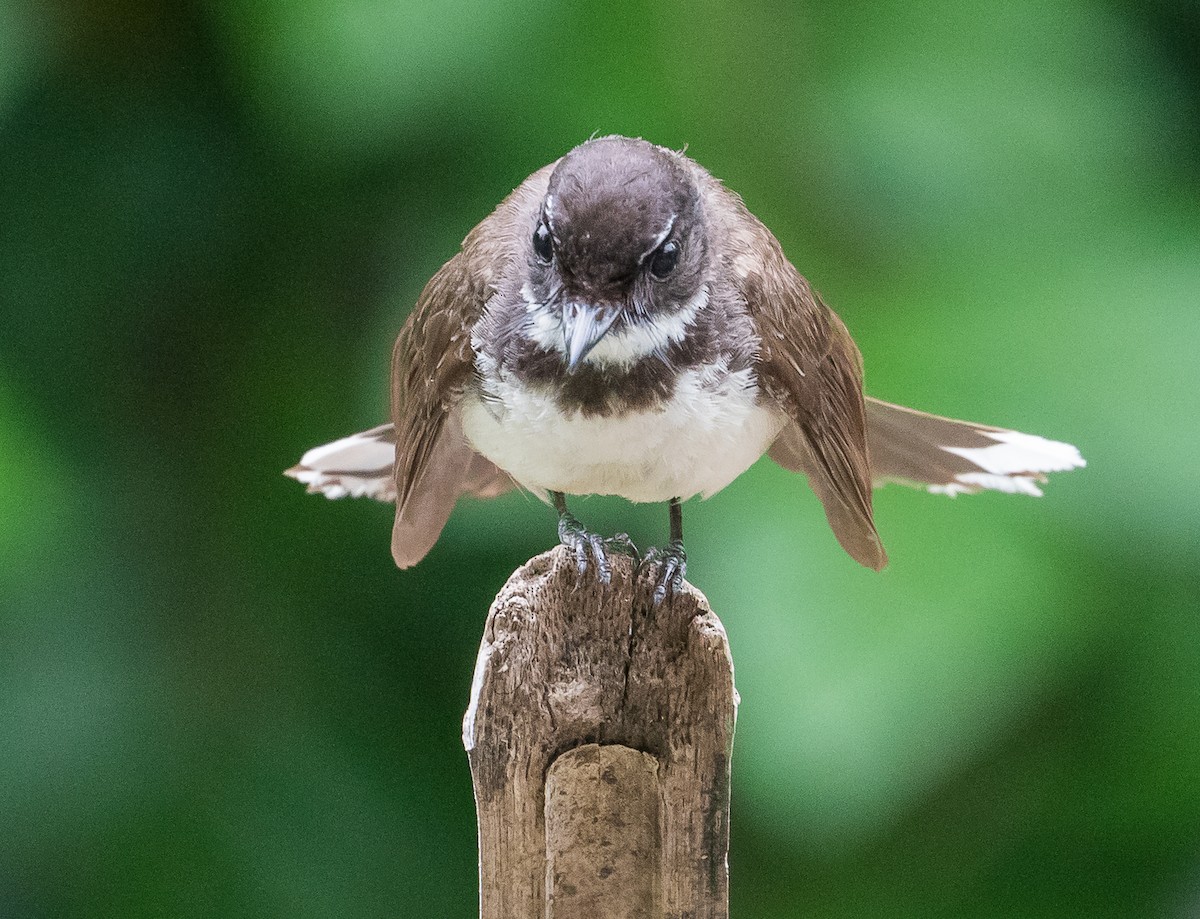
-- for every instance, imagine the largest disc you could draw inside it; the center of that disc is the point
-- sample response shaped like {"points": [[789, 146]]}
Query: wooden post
{"points": [[599, 734]]}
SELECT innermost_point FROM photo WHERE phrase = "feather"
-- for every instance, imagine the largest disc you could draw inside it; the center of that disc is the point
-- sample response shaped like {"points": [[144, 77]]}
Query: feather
{"points": [[810, 368], [358, 466], [951, 457]]}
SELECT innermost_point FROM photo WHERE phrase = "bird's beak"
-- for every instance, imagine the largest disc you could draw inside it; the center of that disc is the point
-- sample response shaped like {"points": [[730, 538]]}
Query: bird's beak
{"points": [[583, 327]]}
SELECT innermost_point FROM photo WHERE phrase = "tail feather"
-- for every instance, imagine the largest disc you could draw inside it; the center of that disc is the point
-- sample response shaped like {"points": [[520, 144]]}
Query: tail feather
{"points": [[358, 466], [951, 457]]}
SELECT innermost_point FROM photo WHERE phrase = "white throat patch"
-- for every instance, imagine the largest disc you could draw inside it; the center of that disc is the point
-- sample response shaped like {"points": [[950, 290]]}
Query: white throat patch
{"points": [[627, 346]]}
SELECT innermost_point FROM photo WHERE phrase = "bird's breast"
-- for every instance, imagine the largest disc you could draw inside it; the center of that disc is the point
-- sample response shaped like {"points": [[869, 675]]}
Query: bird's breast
{"points": [[700, 430]]}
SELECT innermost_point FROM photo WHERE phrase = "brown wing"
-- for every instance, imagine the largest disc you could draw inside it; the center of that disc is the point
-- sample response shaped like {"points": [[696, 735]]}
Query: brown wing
{"points": [[811, 368], [432, 363]]}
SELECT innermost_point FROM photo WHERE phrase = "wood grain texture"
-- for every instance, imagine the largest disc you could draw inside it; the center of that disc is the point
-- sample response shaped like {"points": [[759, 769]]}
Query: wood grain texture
{"points": [[603, 857], [566, 663]]}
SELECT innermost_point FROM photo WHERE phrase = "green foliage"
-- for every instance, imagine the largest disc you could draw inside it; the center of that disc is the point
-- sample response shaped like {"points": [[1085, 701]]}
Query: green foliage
{"points": [[219, 698]]}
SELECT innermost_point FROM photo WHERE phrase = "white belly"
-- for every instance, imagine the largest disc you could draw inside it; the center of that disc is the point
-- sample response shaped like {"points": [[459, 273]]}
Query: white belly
{"points": [[708, 434]]}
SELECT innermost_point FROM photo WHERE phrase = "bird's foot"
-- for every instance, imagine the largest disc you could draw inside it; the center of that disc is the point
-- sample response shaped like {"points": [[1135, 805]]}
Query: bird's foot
{"points": [[672, 567], [623, 545], [582, 544]]}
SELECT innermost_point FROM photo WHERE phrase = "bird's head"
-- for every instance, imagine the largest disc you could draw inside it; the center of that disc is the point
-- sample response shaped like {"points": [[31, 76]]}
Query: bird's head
{"points": [[618, 250]]}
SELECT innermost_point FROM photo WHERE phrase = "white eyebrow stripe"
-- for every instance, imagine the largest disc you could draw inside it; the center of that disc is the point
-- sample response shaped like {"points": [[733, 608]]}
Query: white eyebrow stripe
{"points": [[659, 239]]}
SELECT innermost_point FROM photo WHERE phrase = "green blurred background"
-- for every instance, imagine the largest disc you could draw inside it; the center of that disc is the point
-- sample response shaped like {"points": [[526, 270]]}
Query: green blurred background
{"points": [[219, 698]]}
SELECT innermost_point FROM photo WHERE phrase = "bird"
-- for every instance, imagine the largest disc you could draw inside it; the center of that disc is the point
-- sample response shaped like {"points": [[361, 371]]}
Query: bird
{"points": [[622, 324]]}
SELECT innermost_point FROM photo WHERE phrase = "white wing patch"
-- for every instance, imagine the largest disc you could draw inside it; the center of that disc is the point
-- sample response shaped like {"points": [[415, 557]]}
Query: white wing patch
{"points": [[358, 466]]}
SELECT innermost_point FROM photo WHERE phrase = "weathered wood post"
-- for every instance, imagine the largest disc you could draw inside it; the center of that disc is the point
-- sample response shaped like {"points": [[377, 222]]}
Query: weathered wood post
{"points": [[599, 734]]}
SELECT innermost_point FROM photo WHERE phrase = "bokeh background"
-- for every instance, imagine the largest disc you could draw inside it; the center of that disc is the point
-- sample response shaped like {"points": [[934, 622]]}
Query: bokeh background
{"points": [[219, 698]]}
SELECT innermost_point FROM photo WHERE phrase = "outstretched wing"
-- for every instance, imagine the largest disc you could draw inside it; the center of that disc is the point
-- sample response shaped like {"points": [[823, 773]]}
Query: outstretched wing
{"points": [[811, 369], [819, 386], [432, 363]]}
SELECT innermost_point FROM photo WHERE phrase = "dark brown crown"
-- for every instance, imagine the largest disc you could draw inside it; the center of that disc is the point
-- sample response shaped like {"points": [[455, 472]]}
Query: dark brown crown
{"points": [[609, 203]]}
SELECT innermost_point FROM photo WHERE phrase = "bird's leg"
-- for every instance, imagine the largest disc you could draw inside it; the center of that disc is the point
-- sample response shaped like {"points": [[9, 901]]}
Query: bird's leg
{"points": [[573, 535], [672, 560]]}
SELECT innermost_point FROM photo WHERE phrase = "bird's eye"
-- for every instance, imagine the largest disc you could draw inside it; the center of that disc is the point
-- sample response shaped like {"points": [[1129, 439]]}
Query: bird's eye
{"points": [[543, 245], [665, 259]]}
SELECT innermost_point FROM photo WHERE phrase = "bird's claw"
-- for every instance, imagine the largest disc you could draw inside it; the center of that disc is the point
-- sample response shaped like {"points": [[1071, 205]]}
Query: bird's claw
{"points": [[672, 567], [622, 544], [582, 544]]}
